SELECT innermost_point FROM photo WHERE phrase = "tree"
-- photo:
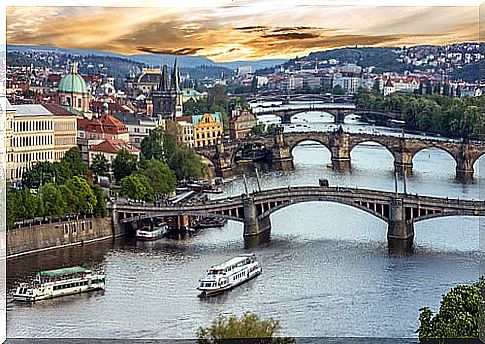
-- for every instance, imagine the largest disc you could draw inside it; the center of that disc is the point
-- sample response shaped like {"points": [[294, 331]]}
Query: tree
{"points": [[100, 165], [376, 87], [151, 146], [53, 203], [133, 188], [42, 173], [124, 165], [82, 194], [161, 177], [100, 207], [258, 129], [186, 164], [338, 90], [248, 326], [73, 164], [458, 315]]}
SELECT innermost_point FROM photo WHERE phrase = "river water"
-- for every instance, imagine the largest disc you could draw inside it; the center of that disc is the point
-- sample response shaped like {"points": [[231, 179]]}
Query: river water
{"points": [[326, 269]]}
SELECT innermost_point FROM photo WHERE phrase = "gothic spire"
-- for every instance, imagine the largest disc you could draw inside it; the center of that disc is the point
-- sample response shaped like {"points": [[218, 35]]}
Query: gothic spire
{"points": [[176, 77], [164, 84]]}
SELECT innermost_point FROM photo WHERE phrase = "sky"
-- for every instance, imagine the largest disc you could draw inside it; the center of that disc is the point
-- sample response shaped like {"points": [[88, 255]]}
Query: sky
{"points": [[225, 30]]}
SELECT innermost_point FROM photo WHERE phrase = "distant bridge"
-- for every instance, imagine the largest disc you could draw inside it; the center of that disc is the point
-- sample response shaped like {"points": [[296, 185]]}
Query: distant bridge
{"points": [[339, 112], [400, 211], [340, 144], [277, 96]]}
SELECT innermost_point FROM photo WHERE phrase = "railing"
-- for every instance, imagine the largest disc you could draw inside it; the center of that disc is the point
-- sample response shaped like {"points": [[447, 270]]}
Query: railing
{"points": [[48, 220]]}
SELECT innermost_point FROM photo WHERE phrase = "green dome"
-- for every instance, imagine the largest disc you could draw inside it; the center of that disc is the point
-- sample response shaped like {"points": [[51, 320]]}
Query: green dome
{"points": [[73, 83]]}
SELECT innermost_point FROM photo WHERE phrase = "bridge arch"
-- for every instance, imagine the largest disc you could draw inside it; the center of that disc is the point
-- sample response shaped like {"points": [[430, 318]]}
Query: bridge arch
{"points": [[297, 141], [377, 143], [423, 157], [476, 162], [380, 215]]}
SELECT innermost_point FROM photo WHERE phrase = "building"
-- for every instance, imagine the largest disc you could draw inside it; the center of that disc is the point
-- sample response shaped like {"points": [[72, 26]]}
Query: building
{"points": [[110, 149], [186, 130], [9, 123], [139, 127], [91, 132], [207, 129], [241, 123], [147, 81], [167, 99], [349, 82], [39, 133], [72, 91]]}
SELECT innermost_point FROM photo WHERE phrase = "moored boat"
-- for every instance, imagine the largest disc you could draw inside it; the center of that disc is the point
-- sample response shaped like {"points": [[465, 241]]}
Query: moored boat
{"points": [[151, 233], [60, 282], [229, 274], [211, 223]]}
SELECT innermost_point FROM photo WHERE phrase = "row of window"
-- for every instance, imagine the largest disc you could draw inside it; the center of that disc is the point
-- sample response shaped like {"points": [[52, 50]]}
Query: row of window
{"points": [[238, 275], [33, 126], [65, 126], [203, 136], [70, 285], [29, 157], [63, 141], [26, 141], [205, 143]]}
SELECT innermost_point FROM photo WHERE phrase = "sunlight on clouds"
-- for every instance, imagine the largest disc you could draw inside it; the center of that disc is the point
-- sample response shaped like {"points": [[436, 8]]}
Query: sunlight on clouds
{"points": [[227, 33]]}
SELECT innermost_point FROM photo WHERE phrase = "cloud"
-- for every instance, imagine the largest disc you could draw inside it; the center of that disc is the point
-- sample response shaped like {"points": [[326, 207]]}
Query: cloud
{"points": [[248, 31]]}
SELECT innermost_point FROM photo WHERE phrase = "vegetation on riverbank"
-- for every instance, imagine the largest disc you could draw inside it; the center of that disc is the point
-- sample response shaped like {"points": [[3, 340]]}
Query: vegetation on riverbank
{"points": [[458, 315], [429, 112], [250, 328]]}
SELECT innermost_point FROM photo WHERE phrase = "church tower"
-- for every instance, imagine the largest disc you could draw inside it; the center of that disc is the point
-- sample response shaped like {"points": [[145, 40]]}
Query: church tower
{"points": [[167, 99]]}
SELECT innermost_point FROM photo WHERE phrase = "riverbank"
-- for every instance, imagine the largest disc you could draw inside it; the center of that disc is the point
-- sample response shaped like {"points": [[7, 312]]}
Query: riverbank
{"points": [[52, 235]]}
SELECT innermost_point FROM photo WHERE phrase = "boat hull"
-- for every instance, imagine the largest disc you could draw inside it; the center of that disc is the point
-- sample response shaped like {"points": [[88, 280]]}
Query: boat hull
{"points": [[213, 292], [39, 297]]}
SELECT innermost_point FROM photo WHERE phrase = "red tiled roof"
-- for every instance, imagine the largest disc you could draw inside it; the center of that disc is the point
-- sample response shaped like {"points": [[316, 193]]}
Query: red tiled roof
{"points": [[105, 124], [114, 147], [184, 118], [57, 110]]}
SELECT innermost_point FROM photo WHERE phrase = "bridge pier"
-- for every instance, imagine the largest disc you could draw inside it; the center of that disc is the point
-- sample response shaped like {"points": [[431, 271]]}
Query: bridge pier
{"points": [[463, 175], [339, 117], [281, 158], [340, 151], [252, 225], [464, 164], [398, 228], [286, 118], [403, 162]]}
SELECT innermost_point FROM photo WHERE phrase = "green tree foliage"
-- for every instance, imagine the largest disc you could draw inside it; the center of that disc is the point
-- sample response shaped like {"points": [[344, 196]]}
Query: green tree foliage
{"points": [[151, 146], [100, 207], [53, 202], [73, 164], [160, 176], [186, 164], [134, 187], [85, 200], [100, 165], [248, 326], [435, 112], [338, 90], [124, 165], [457, 317], [258, 129]]}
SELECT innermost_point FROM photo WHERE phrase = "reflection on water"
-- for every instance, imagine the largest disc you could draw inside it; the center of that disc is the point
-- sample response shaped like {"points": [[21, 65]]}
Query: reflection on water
{"points": [[327, 270]]}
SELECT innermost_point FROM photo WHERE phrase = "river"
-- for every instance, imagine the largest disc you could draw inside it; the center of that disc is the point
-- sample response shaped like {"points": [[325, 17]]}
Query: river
{"points": [[326, 269]]}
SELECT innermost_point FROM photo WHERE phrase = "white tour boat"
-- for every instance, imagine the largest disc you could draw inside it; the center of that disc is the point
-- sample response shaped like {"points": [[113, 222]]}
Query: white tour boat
{"points": [[147, 233], [229, 274], [60, 282]]}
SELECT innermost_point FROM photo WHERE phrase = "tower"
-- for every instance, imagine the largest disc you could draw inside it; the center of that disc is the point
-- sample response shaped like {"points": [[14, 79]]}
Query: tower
{"points": [[167, 99]]}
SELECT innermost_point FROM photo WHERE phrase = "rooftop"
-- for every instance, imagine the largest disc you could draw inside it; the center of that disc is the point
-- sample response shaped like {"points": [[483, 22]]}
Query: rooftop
{"points": [[62, 272], [114, 147]]}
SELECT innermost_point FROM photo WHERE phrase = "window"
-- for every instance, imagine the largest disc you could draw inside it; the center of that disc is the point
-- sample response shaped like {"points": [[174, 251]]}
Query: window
{"points": [[79, 102]]}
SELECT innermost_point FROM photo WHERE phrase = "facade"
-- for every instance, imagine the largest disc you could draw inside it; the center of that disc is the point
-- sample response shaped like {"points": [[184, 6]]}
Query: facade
{"points": [[167, 100], [9, 124], [72, 91], [186, 130], [65, 130], [139, 127], [147, 81], [91, 132], [33, 139], [191, 94], [110, 149], [349, 82], [241, 123], [207, 129]]}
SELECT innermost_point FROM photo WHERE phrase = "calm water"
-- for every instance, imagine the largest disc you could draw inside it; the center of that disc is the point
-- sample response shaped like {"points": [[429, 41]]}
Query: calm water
{"points": [[326, 268]]}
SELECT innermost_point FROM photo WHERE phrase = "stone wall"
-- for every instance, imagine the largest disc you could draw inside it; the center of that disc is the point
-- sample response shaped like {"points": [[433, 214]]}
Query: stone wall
{"points": [[58, 234]]}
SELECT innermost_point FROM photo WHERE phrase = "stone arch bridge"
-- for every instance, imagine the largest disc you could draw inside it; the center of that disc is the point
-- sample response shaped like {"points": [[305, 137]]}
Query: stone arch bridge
{"points": [[340, 144], [400, 211], [339, 112]]}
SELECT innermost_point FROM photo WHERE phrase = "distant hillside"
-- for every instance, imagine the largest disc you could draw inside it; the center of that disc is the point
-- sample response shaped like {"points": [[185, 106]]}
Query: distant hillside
{"points": [[471, 72], [154, 59]]}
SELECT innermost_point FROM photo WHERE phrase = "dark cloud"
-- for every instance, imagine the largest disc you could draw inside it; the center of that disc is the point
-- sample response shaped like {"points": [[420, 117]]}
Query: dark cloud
{"points": [[291, 35], [252, 28], [181, 51]]}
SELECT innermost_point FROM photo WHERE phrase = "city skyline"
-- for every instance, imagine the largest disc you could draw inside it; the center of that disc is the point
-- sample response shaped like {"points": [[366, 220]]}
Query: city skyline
{"points": [[242, 32]]}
